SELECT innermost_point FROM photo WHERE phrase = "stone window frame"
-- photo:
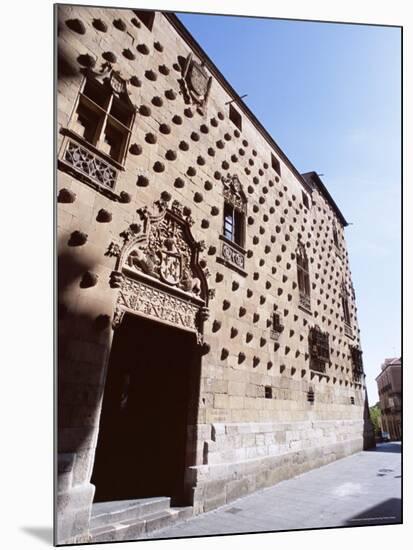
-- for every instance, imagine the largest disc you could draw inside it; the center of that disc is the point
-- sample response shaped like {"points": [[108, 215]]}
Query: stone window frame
{"points": [[276, 325], [233, 224], [233, 234], [357, 362], [319, 349], [336, 240], [344, 295], [108, 114], [85, 157], [303, 278]]}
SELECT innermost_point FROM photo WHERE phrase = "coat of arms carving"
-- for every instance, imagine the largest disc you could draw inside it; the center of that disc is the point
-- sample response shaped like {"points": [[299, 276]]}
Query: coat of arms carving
{"points": [[158, 270], [195, 83]]}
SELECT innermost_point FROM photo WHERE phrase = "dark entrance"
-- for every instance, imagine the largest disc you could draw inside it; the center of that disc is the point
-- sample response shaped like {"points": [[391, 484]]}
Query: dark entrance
{"points": [[151, 395]]}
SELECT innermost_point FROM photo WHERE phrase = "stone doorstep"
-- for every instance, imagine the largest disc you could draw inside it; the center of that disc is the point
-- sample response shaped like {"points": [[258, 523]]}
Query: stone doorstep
{"points": [[106, 513], [135, 527]]}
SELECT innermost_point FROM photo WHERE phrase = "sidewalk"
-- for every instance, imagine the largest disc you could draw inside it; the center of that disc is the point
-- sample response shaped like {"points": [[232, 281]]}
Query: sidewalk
{"points": [[362, 489]]}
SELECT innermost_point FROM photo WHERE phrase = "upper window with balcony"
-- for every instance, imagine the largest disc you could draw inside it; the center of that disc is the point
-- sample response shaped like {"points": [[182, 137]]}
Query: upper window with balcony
{"points": [[104, 117], [233, 230], [99, 130]]}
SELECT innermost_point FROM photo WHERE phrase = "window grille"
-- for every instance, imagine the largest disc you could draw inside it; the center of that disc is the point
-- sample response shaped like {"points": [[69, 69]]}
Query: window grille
{"points": [[357, 360], [319, 349], [104, 116]]}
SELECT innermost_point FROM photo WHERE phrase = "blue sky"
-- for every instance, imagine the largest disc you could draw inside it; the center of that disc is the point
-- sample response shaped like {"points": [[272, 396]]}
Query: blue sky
{"points": [[329, 94]]}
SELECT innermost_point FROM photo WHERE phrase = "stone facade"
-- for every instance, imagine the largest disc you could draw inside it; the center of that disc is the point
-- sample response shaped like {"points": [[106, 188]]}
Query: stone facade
{"points": [[175, 205], [389, 385]]}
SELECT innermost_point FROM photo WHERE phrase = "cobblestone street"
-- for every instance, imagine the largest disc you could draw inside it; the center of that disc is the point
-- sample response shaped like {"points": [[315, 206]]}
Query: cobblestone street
{"points": [[362, 489]]}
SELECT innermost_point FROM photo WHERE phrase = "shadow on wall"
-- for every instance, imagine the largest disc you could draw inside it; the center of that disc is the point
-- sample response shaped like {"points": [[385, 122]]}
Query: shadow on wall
{"points": [[82, 342], [387, 512], [67, 64]]}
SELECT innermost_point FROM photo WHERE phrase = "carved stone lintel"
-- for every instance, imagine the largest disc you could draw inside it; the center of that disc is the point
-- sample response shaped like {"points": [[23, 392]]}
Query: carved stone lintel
{"points": [[153, 303]]}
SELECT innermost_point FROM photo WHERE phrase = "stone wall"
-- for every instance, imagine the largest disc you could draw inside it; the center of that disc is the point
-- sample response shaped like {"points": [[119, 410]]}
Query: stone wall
{"points": [[243, 437]]}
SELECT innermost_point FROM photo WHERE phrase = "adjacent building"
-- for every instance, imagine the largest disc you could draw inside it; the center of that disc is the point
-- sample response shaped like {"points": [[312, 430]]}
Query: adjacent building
{"points": [[208, 343], [390, 396]]}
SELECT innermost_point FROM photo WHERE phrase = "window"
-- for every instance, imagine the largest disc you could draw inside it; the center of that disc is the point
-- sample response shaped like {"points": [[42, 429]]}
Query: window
{"points": [[275, 163], [347, 318], [335, 236], [234, 211], [104, 116], [235, 117], [303, 277], [98, 135], [344, 301], [268, 392], [233, 224], [305, 200], [147, 17], [276, 326], [276, 323], [357, 360], [319, 349]]}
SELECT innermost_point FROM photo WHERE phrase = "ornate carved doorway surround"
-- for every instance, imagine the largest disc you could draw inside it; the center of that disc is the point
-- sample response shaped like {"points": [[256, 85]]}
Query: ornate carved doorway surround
{"points": [[162, 282], [158, 271]]}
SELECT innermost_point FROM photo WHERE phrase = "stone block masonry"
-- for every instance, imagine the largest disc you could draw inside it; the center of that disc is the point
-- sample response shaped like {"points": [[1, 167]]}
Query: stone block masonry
{"points": [[174, 210]]}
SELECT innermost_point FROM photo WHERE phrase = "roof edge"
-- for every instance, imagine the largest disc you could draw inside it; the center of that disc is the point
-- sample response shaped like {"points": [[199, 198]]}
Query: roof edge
{"points": [[187, 36], [324, 191]]}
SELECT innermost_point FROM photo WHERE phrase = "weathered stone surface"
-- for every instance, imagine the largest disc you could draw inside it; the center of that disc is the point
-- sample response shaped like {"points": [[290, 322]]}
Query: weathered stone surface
{"points": [[254, 424]]}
